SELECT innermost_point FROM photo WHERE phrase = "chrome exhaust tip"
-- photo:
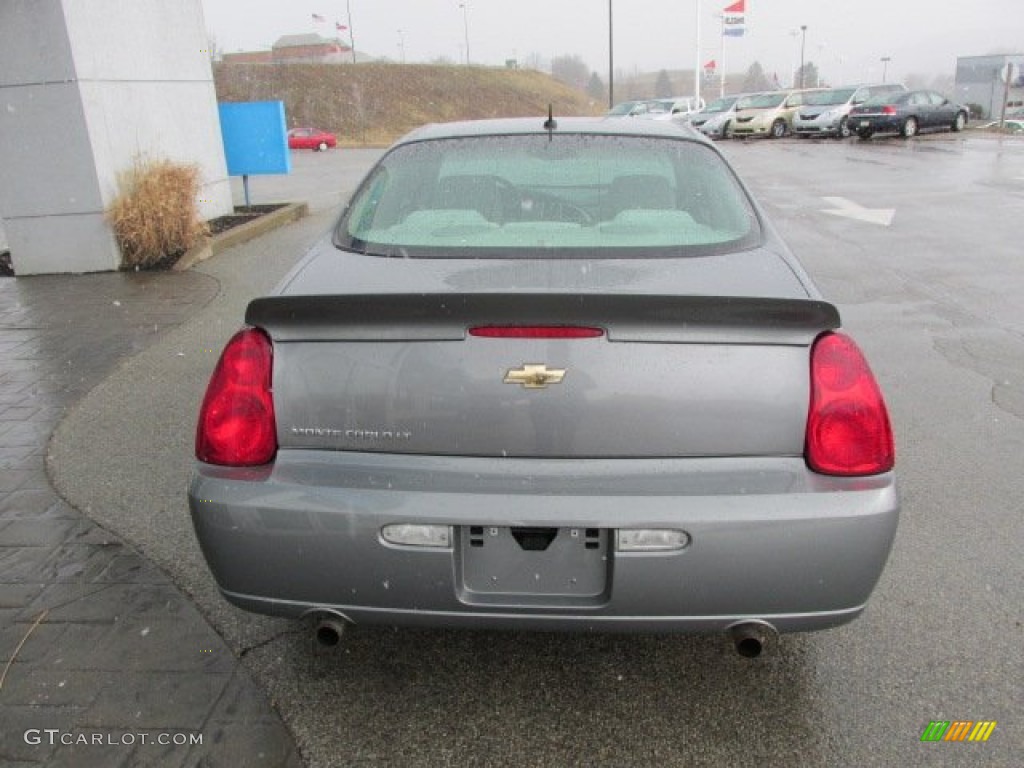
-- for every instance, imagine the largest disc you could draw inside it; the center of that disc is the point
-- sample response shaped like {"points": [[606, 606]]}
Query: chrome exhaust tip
{"points": [[750, 637], [328, 629], [328, 633]]}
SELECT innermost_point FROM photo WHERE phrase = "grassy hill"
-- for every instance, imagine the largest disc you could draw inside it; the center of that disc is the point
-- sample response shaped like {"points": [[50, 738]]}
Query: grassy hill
{"points": [[377, 103]]}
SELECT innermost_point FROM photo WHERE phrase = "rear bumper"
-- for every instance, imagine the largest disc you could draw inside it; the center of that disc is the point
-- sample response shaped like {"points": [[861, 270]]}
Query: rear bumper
{"points": [[768, 539], [876, 124]]}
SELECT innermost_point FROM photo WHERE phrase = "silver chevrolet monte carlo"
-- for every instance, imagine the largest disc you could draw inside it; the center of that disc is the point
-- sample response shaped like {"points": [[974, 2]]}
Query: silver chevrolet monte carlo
{"points": [[547, 376]]}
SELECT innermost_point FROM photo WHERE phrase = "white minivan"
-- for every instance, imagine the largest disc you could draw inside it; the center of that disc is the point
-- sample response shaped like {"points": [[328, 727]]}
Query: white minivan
{"points": [[825, 113]]}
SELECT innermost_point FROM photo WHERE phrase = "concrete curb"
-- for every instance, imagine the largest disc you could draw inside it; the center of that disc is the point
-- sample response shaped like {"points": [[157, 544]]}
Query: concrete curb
{"points": [[243, 233]]}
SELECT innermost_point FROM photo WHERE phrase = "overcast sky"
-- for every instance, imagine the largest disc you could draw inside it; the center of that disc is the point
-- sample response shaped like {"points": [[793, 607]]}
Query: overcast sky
{"points": [[845, 38]]}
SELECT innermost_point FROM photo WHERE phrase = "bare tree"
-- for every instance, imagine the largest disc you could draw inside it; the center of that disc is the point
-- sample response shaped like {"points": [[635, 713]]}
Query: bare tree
{"points": [[535, 62], [570, 70], [663, 86]]}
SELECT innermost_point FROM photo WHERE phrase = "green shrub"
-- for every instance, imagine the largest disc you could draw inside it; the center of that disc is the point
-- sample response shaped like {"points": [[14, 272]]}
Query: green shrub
{"points": [[154, 216]]}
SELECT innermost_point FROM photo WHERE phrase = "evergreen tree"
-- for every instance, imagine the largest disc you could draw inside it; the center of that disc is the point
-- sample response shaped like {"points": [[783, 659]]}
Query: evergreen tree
{"points": [[595, 88], [757, 80]]}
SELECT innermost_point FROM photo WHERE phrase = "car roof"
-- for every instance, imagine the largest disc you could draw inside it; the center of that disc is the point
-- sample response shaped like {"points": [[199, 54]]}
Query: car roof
{"points": [[784, 91], [525, 126]]}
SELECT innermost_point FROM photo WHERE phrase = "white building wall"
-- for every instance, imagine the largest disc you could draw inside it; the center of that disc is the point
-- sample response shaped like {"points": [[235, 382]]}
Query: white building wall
{"points": [[86, 88], [978, 81]]}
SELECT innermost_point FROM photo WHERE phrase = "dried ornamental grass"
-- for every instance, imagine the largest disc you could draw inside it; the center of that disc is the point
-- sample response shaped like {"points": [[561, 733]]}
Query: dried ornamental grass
{"points": [[155, 217]]}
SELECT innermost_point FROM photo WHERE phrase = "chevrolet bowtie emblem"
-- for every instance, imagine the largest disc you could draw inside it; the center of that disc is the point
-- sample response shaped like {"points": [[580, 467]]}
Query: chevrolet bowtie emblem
{"points": [[534, 376]]}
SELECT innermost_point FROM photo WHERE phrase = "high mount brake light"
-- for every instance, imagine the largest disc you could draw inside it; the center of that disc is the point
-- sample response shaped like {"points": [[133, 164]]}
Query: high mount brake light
{"points": [[535, 332], [848, 429], [236, 421]]}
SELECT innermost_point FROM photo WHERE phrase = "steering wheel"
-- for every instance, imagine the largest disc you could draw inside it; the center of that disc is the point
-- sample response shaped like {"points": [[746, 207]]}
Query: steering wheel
{"points": [[541, 207], [571, 212]]}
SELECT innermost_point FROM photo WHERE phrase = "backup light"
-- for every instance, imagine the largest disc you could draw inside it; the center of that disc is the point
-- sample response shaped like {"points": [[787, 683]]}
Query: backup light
{"points": [[408, 535], [650, 540]]}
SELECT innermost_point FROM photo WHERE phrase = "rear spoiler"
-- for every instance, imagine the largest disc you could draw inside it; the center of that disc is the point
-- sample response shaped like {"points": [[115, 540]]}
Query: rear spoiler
{"points": [[625, 317]]}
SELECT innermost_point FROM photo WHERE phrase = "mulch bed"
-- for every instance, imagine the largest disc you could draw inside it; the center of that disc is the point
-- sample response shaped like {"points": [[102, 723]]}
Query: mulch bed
{"points": [[242, 215]]}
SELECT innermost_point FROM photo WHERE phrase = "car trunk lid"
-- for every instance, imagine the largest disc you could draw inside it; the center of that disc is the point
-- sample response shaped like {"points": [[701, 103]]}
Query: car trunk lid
{"points": [[666, 376]]}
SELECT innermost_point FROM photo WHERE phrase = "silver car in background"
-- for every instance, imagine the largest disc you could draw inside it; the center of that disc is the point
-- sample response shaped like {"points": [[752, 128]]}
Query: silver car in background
{"points": [[547, 375], [713, 120], [826, 113]]}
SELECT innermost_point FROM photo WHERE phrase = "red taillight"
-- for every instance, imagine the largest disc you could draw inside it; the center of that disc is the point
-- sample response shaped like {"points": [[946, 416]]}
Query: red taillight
{"points": [[889, 110], [535, 332], [848, 430], [236, 421]]}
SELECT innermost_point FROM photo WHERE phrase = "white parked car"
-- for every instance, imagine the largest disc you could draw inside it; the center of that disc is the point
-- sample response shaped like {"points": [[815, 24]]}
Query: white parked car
{"points": [[678, 109]]}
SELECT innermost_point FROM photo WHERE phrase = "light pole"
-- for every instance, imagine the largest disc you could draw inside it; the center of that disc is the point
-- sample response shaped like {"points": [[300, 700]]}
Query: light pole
{"points": [[351, 30], [611, 61], [803, 44], [401, 44], [696, 61], [465, 28], [721, 59], [885, 66]]}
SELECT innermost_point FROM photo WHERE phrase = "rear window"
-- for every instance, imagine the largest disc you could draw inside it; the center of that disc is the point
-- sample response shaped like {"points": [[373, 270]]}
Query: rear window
{"points": [[881, 99], [541, 196]]}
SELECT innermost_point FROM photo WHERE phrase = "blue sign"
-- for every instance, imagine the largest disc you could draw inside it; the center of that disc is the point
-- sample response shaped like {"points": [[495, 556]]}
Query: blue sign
{"points": [[255, 138]]}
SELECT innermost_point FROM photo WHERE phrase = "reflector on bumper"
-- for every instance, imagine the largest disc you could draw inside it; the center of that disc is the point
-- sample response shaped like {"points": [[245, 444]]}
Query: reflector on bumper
{"points": [[650, 540], [407, 535]]}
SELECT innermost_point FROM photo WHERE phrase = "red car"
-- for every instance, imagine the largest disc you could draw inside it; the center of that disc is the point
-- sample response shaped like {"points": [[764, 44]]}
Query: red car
{"points": [[311, 138]]}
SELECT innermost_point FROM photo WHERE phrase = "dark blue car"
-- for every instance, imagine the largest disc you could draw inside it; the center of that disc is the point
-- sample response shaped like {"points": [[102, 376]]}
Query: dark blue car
{"points": [[907, 114]]}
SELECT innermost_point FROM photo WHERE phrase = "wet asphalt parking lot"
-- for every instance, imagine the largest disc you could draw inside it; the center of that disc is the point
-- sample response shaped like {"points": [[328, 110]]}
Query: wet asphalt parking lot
{"points": [[919, 243]]}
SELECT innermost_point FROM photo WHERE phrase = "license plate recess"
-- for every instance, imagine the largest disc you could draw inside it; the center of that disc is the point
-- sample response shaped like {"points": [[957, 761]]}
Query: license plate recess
{"points": [[533, 566]]}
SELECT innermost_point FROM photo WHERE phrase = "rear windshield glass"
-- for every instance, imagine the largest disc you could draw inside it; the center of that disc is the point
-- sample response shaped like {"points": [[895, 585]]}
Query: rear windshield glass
{"points": [[829, 98], [882, 99], [540, 196]]}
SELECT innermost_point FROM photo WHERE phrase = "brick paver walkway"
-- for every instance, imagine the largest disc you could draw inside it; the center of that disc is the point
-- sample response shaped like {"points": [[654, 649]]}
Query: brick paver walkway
{"points": [[97, 644]]}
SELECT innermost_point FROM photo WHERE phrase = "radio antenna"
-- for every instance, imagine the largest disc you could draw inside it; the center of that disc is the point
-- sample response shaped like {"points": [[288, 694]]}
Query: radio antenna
{"points": [[550, 124]]}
